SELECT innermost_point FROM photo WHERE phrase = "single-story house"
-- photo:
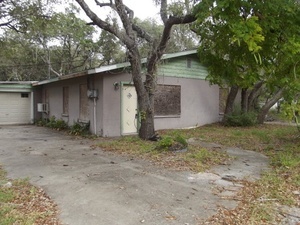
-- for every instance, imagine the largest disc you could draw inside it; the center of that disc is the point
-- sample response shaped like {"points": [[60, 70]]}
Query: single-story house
{"points": [[105, 97], [16, 102]]}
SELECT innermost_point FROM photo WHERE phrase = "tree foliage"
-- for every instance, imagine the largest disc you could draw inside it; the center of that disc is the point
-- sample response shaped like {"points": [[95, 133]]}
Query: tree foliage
{"points": [[252, 45], [50, 46], [18, 15]]}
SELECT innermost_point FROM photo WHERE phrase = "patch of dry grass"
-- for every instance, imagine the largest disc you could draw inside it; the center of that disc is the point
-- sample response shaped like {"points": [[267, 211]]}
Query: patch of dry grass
{"points": [[258, 201], [196, 158], [22, 203]]}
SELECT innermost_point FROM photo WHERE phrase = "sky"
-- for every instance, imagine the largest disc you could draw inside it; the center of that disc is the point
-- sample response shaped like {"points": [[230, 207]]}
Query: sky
{"points": [[143, 8]]}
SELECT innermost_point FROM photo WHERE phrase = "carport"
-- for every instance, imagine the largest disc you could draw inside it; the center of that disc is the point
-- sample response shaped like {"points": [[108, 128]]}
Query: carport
{"points": [[16, 103]]}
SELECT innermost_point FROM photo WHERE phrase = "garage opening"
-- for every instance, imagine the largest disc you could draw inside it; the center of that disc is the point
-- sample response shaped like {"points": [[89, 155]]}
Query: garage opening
{"points": [[15, 108]]}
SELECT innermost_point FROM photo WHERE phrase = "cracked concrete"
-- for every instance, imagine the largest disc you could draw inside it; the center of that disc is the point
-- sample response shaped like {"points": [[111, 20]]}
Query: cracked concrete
{"points": [[91, 186]]}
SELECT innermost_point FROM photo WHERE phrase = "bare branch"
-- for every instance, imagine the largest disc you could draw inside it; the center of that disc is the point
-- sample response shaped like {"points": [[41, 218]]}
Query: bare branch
{"points": [[6, 23], [111, 5], [126, 19], [129, 12], [97, 21], [14, 28], [163, 11], [142, 33], [166, 36]]}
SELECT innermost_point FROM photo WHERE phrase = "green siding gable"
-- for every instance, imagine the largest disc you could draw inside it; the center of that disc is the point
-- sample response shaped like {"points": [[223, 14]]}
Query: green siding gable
{"points": [[178, 67], [14, 87]]}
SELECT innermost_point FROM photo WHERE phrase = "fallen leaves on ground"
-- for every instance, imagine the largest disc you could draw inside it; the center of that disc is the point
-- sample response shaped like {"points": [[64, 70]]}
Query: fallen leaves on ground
{"points": [[31, 205]]}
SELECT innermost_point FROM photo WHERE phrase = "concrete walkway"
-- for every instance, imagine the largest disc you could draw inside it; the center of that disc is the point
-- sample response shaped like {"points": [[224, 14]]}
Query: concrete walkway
{"points": [[95, 187]]}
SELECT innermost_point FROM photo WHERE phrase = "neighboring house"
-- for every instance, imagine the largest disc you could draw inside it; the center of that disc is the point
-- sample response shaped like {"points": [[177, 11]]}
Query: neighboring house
{"points": [[106, 98], [16, 103]]}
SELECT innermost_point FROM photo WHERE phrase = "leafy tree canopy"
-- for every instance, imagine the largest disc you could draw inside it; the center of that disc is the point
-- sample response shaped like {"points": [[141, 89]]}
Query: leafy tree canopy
{"points": [[244, 43]]}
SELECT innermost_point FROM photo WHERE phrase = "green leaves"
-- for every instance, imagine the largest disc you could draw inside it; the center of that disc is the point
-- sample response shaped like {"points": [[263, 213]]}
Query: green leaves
{"points": [[243, 42], [52, 45], [248, 31]]}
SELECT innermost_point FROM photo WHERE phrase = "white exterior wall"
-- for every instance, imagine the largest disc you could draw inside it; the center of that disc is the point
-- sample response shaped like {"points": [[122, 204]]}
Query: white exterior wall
{"points": [[199, 104]]}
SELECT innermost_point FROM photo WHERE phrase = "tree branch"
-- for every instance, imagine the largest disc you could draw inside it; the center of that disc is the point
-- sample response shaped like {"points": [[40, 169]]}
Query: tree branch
{"points": [[264, 110], [163, 11], [97, 21], [103, 4], [142, 33], [122, 11], [166, 36], [6, 23]]}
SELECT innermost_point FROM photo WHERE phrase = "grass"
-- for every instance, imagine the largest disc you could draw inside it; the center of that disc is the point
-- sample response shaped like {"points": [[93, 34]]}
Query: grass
{"points": [[258, 200], [22, 203], [165, 152]]}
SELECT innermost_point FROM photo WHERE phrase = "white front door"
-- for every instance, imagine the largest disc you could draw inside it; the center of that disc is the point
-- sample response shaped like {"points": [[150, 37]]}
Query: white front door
{"points": [[129, 118]]}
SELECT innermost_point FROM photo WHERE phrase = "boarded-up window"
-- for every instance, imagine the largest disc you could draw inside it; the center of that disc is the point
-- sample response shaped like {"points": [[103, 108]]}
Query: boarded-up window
{"points": [[46, 96], [83, 104], [167, 100], [66, 100]]}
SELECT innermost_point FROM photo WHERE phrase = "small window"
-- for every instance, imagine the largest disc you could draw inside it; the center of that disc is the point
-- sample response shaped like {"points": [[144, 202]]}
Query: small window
{"points": [[24, 95], [83, 103]]}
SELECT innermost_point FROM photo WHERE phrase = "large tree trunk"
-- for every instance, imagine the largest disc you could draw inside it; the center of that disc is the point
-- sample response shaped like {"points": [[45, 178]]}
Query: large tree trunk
{"points": [[265, 109], [244, 100], [128, 36], [255, 92], [230, 101], [145, 98]]}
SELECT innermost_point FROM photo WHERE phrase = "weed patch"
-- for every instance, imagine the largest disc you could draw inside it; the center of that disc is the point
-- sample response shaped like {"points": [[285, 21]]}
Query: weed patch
{"points": [[78, 129], [22, 203], [258, 200]]}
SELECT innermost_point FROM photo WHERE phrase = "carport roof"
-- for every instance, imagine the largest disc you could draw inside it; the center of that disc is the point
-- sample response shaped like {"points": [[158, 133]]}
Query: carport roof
{"points": [[111, 68]]}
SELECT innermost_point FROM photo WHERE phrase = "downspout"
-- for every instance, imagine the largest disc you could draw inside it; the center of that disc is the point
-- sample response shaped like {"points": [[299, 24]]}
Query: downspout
{"points": [[32, 107], [95, 116]]}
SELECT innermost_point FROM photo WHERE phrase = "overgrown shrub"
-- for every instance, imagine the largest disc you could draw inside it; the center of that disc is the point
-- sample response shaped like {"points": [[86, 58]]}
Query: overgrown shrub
{"points": [[57, 124], [80, 129], [42, 122], [172, 143], [53, 123], [181, 140], [165, 142], [239, 119]]}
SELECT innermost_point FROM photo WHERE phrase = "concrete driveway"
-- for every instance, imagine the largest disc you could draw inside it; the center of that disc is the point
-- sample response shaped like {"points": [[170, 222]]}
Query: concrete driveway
{"points": [[95, 187]]}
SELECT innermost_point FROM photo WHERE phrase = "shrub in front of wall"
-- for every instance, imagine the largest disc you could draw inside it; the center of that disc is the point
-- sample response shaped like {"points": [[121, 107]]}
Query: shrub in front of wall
{"points": [[237, 119], [80, 129], [42, 122], [57, 124]]}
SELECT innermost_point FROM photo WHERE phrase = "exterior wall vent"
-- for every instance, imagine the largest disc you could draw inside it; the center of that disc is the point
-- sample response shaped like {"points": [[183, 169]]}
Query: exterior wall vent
{"points": [[43, 107]]}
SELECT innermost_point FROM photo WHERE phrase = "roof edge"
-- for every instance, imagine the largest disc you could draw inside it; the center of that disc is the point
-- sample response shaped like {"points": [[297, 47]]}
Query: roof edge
{"points": [[112, 67]]}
